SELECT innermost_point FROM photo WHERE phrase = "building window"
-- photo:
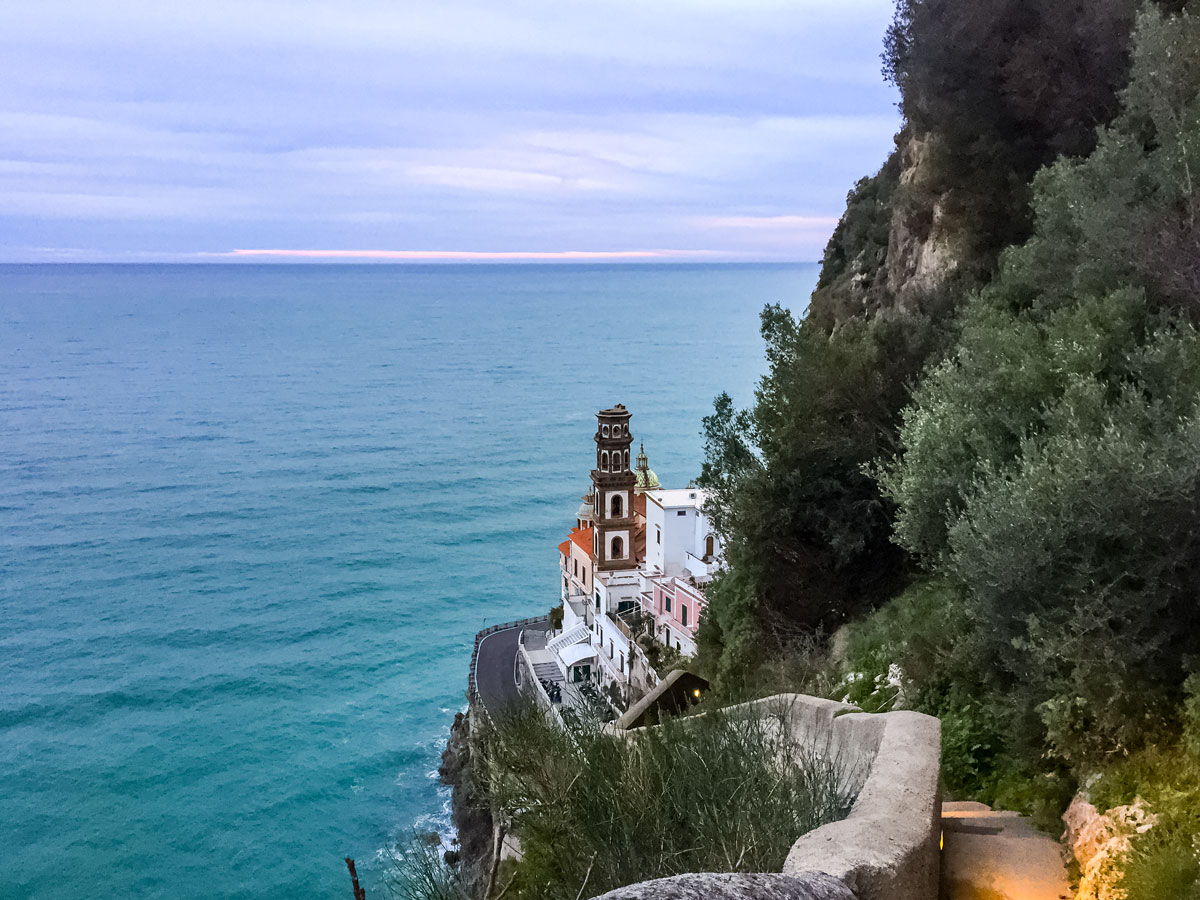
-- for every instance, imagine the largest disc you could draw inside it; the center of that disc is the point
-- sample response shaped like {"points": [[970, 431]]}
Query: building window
{"points": [[597, 601], [618, 548], [626, 459], [709, 546], [616, 506], [576, 562], [682, 512], [622, 663], [616, 431], [564, 586], [604, 430], [667, 601], [657, 534], [604, 461], [683, 613]]}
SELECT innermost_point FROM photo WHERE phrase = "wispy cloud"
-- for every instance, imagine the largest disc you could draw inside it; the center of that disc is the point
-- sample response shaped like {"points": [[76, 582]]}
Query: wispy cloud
{"points": [[766, 223], [135, 127]]}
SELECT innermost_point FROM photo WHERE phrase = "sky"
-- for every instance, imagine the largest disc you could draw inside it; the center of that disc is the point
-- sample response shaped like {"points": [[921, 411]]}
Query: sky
{"points": [[230, 130]]}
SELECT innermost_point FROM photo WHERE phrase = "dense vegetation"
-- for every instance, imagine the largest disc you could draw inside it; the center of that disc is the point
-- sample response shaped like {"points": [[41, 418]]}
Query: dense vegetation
{"points": [[995, 479], [716, 793]]}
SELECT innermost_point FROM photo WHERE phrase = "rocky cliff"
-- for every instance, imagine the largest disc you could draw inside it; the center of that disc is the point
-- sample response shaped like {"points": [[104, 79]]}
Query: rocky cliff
{"points": [[469, 809]]}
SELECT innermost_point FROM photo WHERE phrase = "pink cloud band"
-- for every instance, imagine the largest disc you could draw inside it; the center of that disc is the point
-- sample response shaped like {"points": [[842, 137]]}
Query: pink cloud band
{"points": [[475, 254]]}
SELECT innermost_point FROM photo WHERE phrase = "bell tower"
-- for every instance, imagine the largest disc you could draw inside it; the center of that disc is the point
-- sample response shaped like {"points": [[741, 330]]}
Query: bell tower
{"points": [[613, 484]]}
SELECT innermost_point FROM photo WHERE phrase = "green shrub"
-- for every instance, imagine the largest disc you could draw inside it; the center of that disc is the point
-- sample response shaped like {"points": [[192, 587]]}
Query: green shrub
{"points": [[416, 869], [1162, 870], [1164, 861], [717, 792], [1191, 713]]}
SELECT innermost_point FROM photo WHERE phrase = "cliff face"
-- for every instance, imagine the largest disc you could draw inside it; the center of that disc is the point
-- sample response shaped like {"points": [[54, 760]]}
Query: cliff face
{"points": [[925, 244], [991, 91], [469, 809], [905, 232]]}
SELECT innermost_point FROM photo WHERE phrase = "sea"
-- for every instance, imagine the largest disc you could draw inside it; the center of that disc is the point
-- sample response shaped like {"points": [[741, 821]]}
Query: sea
{"points": [[251, 518]]}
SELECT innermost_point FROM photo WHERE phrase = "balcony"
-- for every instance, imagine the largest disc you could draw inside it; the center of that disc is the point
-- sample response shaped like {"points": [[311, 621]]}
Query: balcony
{"points": [[701, 568], [632, 622]]}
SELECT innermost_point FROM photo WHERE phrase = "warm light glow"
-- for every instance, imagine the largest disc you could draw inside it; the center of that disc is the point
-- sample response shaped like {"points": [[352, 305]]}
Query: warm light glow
{"points": [[696, 693], [418, 255]]}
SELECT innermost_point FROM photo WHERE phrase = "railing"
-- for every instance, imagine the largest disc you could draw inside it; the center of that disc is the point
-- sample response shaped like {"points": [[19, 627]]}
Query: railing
{"points": [[622, 626], [532, 682]]}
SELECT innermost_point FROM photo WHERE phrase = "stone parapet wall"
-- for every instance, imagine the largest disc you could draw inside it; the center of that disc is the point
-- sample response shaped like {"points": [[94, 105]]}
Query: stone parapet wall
{"points": [[887, 848], [810, 886]]}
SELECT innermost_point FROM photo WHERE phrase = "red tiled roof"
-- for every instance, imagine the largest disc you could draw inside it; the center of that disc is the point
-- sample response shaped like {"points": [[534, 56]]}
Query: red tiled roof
{"points": [[582, 537], [565, 548]]}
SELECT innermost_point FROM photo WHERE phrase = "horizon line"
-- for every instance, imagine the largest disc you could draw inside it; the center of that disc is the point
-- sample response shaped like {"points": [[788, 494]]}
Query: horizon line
{"points": [[467, 255]]}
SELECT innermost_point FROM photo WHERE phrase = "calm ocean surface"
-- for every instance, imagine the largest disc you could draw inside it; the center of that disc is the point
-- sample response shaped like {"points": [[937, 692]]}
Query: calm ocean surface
{"points": [[252, 516]]}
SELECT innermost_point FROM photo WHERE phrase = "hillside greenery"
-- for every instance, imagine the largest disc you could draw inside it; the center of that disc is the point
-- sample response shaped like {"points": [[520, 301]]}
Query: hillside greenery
{"points": [[991, 491]]}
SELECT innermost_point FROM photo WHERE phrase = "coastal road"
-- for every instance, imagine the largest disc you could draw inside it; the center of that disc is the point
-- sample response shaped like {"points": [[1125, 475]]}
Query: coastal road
{"points": [[495, 670]]}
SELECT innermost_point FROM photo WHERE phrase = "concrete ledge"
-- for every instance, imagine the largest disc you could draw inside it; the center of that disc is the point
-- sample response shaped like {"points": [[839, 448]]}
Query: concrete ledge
{"points": [[887, 848], [810, 886]]}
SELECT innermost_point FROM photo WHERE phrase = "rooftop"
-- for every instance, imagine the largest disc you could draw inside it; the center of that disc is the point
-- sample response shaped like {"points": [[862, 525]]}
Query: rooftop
{"points": [[681, 497], [582, 538]]}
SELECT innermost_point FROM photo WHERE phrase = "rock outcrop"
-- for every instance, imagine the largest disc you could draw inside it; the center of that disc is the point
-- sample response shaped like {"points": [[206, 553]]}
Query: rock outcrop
{"points": [[1099, 842], [469, 810]]}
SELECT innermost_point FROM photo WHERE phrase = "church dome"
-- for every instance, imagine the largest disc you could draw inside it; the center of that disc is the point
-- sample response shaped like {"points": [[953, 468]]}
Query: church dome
{"points": [[645, 480], [587, 509]]}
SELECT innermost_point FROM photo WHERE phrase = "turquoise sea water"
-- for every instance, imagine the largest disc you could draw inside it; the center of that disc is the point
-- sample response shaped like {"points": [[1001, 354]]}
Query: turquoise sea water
{"points": [[251, 518]]}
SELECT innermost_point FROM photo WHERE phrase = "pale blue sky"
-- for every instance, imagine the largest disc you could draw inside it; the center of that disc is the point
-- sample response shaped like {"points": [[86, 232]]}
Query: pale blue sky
{"points": [[182, 131]]}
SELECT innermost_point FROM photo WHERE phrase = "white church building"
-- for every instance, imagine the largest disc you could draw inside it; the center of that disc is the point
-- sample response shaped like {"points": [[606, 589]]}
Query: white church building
{"points": [[633, 568]]}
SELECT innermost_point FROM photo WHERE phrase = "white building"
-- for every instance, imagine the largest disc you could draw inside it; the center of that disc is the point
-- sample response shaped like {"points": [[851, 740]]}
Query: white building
{"points": [[635, 564]]}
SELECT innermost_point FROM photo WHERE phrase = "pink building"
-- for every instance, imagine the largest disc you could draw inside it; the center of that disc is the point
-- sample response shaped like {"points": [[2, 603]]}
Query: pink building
{"points": [[676, 606]]}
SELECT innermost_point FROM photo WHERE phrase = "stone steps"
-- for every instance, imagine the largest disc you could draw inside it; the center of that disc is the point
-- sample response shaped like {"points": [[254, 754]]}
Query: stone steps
{"points": [[573, 636], [998, 855]]}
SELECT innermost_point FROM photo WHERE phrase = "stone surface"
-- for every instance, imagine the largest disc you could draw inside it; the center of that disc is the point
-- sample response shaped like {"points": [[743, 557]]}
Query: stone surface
{"points": [[804, 886], [998, 855], [1099, 842], [887, 848]]}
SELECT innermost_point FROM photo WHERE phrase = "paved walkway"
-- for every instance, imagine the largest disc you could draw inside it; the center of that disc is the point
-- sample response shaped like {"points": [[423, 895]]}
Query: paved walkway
{"points": [[495, 669], [994, 855]]}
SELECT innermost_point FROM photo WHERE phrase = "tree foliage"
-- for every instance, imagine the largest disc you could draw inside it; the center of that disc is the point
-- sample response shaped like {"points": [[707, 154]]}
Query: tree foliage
{"points": [[808, 532], [992, 90], [1052, 465]]}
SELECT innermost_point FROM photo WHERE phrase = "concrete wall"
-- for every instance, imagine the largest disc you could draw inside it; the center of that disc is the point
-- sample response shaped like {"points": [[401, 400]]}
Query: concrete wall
{"points": [[887, 848], [811, 886]]}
